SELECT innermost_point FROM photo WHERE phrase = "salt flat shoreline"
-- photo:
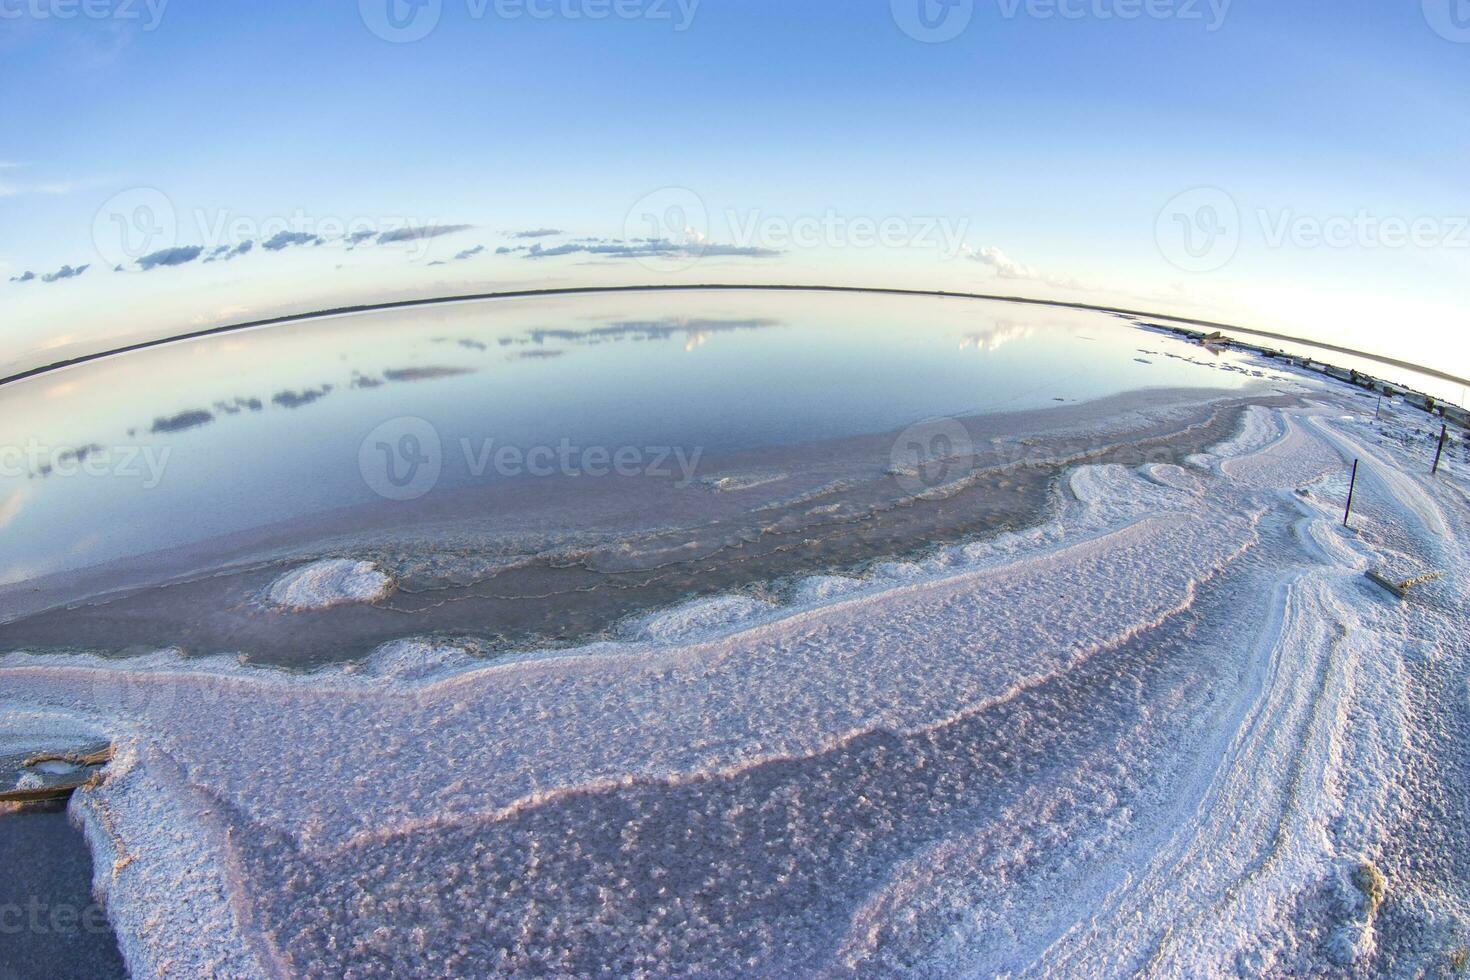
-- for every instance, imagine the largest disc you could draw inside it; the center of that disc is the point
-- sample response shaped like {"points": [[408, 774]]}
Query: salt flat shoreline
{"points": [[1173, 719], [1164, 722], [820, 508]]}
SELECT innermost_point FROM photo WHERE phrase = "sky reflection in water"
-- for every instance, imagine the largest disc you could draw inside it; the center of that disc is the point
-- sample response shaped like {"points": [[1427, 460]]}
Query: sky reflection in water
{"points": [[188, 442]]}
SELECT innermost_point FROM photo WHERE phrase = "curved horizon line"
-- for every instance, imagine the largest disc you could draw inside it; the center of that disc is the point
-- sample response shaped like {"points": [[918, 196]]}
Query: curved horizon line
{"points": [[713, 287]]}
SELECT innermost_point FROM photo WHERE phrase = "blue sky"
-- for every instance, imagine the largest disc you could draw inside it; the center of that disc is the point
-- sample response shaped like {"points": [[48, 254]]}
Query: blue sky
{"points": [[1052, 148]]}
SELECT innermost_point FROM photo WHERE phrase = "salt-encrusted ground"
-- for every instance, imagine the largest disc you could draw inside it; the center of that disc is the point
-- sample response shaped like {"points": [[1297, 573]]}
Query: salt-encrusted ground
{"points": [[1169, 731]]}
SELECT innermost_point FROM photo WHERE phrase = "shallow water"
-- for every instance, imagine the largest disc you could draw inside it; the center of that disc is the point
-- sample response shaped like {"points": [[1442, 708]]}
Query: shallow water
{"points": [[237, 432], [492, 454]]}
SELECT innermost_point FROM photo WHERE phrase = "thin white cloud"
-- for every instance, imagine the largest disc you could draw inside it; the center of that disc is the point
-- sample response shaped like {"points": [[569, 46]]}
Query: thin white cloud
{"points": [[16, 190], [1004, 266], [1008, 268], [14, 185]]}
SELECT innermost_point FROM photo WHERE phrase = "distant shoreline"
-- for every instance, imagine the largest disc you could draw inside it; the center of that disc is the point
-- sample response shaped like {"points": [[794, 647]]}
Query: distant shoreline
{"points": [[1428, 372], [708, 287]]}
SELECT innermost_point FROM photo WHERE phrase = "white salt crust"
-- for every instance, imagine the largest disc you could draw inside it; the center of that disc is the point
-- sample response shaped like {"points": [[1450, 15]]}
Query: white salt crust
{"points": [[334, 582], [1223, 704]]}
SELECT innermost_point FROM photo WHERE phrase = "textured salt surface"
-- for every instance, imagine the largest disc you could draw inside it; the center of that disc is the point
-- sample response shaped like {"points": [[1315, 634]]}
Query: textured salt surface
{"points": [[1160, 732], [335, 582]]}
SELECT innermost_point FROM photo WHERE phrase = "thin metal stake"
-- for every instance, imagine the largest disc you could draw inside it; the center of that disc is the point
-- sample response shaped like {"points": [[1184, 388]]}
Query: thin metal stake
{"points": [[1351, 486], [1443, 430]]}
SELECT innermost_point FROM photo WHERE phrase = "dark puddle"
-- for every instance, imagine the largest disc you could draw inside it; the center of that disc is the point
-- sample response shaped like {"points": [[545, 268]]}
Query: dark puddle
{"points": [[50, 926]]}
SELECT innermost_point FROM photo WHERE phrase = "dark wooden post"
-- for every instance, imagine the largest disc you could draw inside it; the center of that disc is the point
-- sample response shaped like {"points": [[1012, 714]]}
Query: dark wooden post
{"points": [[1351, 487], [1443, 430]]}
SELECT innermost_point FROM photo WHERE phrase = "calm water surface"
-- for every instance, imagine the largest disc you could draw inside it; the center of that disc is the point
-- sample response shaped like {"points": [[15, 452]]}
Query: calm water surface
{"points": [[186, 443]]}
